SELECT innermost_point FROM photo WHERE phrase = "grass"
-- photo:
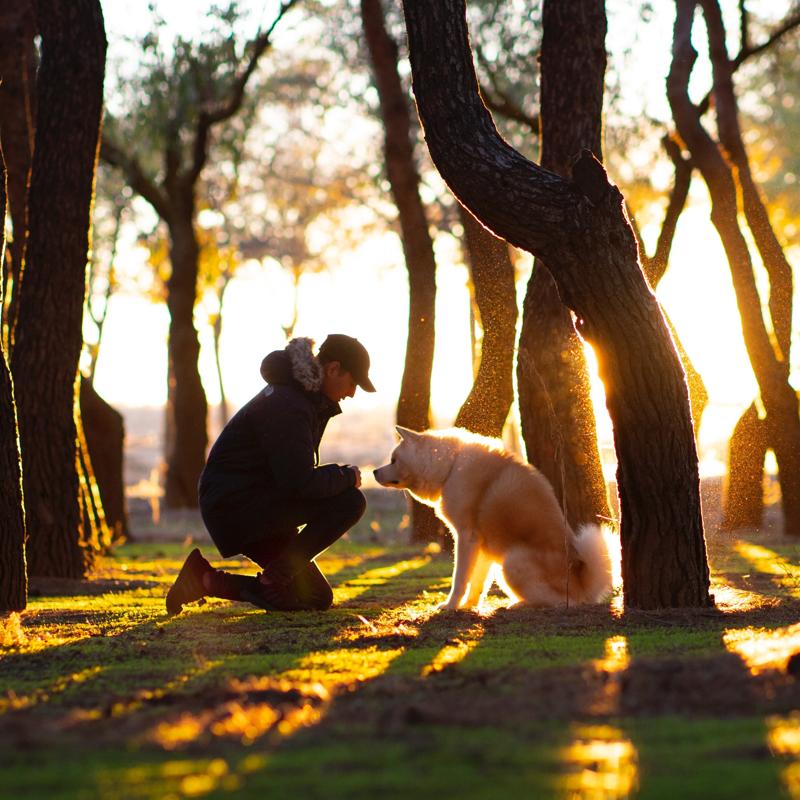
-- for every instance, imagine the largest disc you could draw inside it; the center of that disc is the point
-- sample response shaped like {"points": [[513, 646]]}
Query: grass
{"points": [[102, 695]]}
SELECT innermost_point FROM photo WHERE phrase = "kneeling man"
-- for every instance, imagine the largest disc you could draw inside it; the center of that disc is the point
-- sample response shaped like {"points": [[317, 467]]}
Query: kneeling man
{"points": [[262, 482]]}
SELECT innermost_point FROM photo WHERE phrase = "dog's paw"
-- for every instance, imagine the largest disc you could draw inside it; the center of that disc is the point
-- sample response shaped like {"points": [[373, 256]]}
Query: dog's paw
{"points": [[447, 605]]}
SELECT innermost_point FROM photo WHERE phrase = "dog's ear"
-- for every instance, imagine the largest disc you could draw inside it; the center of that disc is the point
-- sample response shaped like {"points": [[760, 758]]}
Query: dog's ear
{"points": [[406, 434]]}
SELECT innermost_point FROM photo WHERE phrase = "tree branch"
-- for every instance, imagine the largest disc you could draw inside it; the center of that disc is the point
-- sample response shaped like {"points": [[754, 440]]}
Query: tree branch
{"points": [[228, 107], [113, 155]]}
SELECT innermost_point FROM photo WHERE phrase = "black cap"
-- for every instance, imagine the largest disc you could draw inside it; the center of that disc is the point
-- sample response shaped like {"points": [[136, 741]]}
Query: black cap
{"points": [[351, 354]]}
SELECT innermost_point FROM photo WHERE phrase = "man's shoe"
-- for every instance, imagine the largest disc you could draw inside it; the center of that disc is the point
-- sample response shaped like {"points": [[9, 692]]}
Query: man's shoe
{"points": [[270, 592], [188, 586]]}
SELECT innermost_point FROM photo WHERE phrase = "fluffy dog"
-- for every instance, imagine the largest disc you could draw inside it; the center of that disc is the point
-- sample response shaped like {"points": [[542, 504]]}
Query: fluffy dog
{"points": [[501, 512]]}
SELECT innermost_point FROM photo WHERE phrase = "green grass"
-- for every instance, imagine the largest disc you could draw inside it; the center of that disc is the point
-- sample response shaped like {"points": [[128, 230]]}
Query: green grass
{"points": [[102, 695]]}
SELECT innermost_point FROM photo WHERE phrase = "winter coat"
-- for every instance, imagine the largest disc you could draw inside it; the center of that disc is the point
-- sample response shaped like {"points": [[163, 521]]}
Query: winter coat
{"points": [[269, 450]]}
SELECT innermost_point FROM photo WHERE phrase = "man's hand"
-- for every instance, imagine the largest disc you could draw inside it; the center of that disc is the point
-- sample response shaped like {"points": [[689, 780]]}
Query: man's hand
{"points": [[358, 475]]}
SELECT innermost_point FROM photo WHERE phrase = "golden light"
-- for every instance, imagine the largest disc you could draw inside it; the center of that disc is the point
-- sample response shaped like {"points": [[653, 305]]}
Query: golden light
{"points": [[763, 649], [374, 577], [784, 741], [616, 656], [601, 764], [455, 650], [770, 563], [615, 661]]}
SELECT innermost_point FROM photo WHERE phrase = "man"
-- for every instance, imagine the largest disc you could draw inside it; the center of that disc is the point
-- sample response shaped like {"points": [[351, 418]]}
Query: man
{"points": [[262, 481]]}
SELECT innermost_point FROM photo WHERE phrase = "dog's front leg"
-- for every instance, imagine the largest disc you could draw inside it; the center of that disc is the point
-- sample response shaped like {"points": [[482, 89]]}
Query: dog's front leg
{"points": [[466, 554]]}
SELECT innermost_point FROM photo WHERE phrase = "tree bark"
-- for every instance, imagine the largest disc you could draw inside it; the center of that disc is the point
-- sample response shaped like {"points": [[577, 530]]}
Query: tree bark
{"points": [[569, 225], [492, 272], [44, 361], [105, 437], [413, 406], [18, 101], [556, 412], [187, 408], [769, 367], [744, 490], [13, 571]]}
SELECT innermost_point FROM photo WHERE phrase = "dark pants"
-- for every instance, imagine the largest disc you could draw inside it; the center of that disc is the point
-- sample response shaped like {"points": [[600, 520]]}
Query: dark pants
{"points": [[286, 555]]}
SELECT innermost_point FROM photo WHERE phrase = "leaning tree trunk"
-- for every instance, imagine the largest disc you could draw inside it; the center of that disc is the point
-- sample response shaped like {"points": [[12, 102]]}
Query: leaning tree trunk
{"points": [[17, 100], [187, 408], [580, 230], [492, 273], [413, 406], [779, 271], [105, 438], [44, 361], [771, 371], [13, 573], [556, 412]]}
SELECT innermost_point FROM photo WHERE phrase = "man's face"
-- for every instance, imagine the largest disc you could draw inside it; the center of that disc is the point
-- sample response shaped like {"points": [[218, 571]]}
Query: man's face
{"points": [[337, 383]]}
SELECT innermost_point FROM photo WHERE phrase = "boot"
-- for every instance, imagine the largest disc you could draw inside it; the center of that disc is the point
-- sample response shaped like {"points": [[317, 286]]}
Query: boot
{"points": [[188, 586]]}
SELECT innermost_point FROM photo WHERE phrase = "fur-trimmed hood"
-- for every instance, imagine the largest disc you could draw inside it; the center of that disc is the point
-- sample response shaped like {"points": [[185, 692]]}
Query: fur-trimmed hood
{"points": [[295, 363]]}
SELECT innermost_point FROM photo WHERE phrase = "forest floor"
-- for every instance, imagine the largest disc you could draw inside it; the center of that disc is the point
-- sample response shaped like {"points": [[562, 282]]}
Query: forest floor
{"points": [[102, 695]]}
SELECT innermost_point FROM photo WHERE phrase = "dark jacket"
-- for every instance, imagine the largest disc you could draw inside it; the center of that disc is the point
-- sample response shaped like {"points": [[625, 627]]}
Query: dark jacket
{"points": [[269, 450]]}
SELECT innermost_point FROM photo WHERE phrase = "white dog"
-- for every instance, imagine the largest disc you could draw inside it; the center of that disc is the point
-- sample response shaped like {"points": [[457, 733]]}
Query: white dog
{"points": [[501, 512]]}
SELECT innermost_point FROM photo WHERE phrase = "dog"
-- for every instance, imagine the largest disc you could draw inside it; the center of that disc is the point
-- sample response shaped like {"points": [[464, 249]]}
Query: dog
{"points": [[505, 520]]}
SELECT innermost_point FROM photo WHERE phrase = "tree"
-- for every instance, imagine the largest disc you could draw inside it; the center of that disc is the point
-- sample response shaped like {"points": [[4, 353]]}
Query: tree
{"points": [[13, 573], [556, 413], [44, 360], [492, 274], [569, 224], [18, 98], [413, 407], [727, 177], [188, 100]]}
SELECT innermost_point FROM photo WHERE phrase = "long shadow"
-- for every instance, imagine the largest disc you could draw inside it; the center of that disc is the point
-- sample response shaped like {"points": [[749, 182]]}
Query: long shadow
{"points": [[146, 671]]}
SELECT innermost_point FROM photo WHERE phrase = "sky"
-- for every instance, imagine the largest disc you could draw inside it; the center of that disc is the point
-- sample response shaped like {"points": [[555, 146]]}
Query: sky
{"points": [[365, 295]]}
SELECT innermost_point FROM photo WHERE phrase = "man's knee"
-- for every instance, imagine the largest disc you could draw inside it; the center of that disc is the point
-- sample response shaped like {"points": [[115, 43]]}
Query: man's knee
{"points": [[353, 504]]}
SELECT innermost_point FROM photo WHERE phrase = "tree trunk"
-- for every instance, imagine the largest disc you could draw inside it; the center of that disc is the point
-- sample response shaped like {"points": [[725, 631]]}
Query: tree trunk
{"points": [[413, 406], [492, 272], [744, 491], [44, 361], [187, 408], [556, 412], [18, 101], [580, 230], [105, 438], [777, 267], [13, 573], [771, 371]]}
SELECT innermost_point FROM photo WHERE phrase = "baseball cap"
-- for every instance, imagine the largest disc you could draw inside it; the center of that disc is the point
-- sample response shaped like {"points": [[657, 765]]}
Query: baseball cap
{"points": [[351, 354]]}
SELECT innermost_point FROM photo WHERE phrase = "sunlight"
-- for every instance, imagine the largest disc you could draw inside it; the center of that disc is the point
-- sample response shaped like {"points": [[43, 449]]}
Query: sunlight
{"points": [[455, 650], [763, 649], [784, 741], [374, 577], [10, 701], [616, 656], [244, 719], [770, 563], [602, 764]]}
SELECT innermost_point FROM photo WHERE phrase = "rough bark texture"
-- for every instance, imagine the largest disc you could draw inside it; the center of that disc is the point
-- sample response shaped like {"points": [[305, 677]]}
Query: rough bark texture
{"points": [[492, 274], [744, 490], [413, 405], [105, 437], [556, 412], [187, 407], [13, 572], [18, 103], [579, 229], [44, 361], [769, 367]]}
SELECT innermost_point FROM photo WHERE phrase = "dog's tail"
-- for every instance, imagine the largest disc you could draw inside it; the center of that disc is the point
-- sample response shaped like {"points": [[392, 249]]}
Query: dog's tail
{"points": [[598, 547]]}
